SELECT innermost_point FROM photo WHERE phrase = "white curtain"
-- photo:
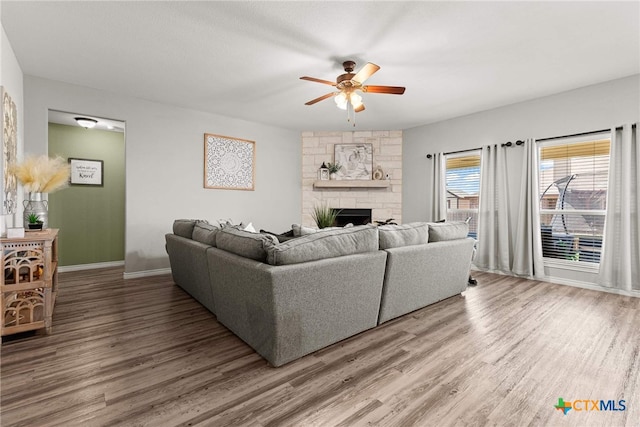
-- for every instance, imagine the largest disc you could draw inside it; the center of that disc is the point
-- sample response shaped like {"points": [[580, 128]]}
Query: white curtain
{"points": [[527, 256], [438, 188], [620, 261], [494, 248]]}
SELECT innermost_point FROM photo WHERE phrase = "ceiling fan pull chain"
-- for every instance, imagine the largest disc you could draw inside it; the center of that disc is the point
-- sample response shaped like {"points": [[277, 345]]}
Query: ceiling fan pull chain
{"points": [[351, 112]]}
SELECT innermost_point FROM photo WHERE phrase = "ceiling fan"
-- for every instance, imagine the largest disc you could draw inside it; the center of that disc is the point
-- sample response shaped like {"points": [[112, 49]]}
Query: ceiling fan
{"points": [[349, 83]]}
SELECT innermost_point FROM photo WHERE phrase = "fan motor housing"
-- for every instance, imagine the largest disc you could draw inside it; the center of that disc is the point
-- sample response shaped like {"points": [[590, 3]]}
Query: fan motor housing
{"points": [[349, 66], [346, 78]]}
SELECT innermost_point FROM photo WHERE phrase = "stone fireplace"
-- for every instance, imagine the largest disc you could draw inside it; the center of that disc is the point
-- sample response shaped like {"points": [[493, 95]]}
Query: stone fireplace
{"points": [[383, 198]]}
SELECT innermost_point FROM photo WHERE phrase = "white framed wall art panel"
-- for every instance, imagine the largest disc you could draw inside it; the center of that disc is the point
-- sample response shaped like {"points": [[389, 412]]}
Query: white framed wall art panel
{"points": [[229, 163]]}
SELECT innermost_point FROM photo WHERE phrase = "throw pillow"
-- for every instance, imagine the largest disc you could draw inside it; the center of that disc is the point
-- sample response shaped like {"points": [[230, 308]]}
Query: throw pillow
{"points": [[250, 228], [204, 232], [442, 231], [228, 223], [395, 236], [301, 230], [244, 243], [184, 227], [282, 237]]}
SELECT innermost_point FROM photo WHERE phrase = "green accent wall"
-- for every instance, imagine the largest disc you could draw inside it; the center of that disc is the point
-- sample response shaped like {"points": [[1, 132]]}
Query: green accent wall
{"points": [[90, 219]]}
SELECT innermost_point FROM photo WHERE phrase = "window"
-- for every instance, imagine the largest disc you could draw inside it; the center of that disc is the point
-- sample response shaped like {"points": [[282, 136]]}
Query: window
{"points": [[463, 188], [573, 175]]}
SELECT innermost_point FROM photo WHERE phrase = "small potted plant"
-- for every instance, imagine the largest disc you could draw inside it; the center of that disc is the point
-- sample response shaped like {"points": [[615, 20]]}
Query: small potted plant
{"points": [[35, 223], [324, 216], [333, 169]]}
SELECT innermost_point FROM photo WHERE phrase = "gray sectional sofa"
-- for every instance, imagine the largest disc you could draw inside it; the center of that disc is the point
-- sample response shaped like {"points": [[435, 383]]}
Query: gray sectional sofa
{"points": [[290, 299]]}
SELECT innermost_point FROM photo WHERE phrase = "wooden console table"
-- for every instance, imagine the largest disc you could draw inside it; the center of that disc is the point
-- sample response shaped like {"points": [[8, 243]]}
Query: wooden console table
{"points": [[29, 281]]}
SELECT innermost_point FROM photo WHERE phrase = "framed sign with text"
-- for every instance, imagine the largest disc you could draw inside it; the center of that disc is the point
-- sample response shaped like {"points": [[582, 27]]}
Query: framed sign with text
{"points": [[86, 172]]}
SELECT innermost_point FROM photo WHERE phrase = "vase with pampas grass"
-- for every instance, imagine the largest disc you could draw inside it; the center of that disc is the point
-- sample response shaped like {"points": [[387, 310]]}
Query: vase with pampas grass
{"points": [[41, 174]]}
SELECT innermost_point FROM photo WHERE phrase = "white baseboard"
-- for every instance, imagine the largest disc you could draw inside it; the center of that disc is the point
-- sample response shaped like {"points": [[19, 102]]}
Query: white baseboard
{"points": [[146, 273], [93, 266], [134, 275], [569, 282], [592, 287]]}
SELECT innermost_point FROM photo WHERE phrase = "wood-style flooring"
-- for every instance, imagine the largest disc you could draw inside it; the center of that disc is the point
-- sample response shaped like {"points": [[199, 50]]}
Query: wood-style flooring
{"points": [[141, 352]]}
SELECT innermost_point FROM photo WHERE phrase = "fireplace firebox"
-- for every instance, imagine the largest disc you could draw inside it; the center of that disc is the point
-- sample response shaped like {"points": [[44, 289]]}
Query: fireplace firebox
{"points": [[353, 216]]}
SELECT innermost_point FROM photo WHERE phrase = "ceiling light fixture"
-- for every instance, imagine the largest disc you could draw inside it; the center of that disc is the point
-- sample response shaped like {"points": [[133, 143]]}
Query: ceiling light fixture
{"points": [[356, 100], [350, 101], [347, 84], [341, 100], [86, 122]]}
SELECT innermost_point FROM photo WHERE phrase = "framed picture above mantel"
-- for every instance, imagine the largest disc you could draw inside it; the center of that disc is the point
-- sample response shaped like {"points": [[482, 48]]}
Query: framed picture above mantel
{"points": [[86, 172], [356, 161]]}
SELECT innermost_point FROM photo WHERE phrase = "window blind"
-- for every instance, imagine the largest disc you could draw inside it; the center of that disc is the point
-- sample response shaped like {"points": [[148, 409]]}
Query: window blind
{"points": [[573, 180], [463, 188]]}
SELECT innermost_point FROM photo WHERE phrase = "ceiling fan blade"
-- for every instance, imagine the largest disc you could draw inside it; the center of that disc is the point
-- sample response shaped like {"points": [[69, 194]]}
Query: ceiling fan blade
{"points": [[321, 98], [360, 108], [394, 90], [366, 72], [313, 79]]}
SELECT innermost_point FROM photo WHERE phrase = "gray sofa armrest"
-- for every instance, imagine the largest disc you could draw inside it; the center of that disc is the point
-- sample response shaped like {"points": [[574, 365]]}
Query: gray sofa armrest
{"points": [[188, 260], [285, 312], [417, 276]]}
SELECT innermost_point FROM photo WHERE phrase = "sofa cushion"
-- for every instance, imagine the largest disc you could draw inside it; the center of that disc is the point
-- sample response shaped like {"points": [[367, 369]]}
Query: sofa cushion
{"points": [[442, 231], [324, 244], [244, 243], [204, 232], [395, 236], [184, 227], [302, 230]]}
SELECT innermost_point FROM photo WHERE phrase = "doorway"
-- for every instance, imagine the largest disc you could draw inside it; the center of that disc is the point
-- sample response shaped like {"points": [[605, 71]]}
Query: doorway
{"points": [[90, 214]]}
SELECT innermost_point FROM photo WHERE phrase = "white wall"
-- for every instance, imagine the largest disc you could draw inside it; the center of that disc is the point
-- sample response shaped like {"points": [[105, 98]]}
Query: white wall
{"points": [[164, 165], [586, 109], [12, 80]]}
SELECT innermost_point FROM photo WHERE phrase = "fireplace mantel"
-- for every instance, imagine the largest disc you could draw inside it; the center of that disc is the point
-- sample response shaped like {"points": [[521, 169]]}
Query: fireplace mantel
{"points": [[372, 183]]}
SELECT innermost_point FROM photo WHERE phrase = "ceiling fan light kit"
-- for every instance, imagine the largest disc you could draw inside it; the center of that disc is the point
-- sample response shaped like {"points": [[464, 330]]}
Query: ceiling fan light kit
{"points": [[347, 98], [341, 100]]}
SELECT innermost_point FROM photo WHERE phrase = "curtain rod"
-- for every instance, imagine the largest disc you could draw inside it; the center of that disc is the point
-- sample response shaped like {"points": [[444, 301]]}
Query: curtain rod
{"points": [[571, 136], [581, 134], [456, 152], [519, 142], [509, 144], [506, 144]]}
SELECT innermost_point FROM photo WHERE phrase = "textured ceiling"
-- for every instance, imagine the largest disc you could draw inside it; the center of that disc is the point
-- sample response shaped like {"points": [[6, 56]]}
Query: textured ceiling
{"points": [[244, 59]]}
